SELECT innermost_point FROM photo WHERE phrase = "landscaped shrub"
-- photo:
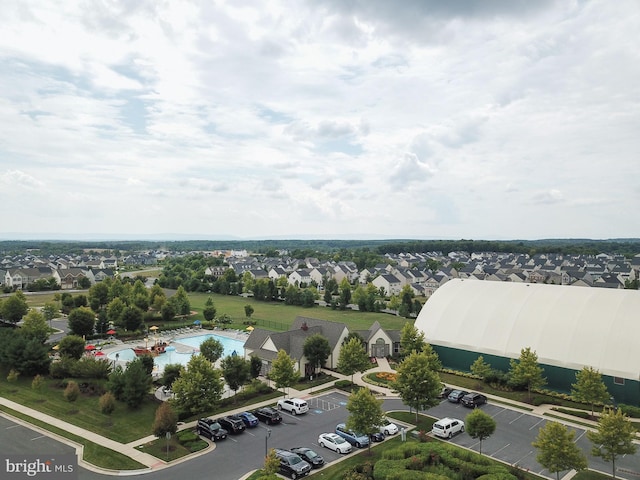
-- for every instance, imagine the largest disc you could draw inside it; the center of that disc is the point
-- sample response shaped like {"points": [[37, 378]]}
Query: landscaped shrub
{"points": [[62, 368], [630, 410], [37, 383], [72, 392], [90, 367], [107, 403], [342, 384], [575, 413]]}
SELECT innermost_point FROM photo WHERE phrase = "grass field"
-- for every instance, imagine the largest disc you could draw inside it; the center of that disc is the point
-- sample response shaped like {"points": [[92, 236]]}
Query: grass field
{"points": [[274, 315]]}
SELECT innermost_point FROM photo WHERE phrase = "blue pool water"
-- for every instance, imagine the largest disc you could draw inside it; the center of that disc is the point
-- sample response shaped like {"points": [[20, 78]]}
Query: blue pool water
{"points": [[172, 356]]}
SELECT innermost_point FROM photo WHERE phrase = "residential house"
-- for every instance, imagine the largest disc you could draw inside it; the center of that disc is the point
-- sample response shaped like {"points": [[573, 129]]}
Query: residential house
{"points": [[390, 284]]}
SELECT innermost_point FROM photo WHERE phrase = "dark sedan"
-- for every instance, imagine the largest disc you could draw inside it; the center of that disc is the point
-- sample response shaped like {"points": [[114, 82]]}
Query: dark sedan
{"points": [[456, 396], [310, 456]]}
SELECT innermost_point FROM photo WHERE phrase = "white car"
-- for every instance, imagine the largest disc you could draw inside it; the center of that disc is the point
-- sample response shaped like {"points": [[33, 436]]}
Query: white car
{"points": [[447, 427], [334, 442], [388, 428], [293, 405]]}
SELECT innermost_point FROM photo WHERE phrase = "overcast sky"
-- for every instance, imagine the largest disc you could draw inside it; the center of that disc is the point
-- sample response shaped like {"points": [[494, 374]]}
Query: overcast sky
{"points": [[325, 119]]}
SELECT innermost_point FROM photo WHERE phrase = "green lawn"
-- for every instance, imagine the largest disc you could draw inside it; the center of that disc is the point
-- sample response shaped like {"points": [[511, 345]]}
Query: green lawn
{"points": [[123, 425]]}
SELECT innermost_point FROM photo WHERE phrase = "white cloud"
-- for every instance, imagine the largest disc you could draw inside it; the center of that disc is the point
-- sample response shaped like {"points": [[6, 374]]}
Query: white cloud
{"points": [[348, 118]]}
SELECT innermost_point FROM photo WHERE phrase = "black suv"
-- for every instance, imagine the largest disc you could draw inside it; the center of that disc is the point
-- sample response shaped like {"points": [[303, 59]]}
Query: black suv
{"points": [[291, 464], [232, 423], [211, 429], [268, 415], [473, 400]]}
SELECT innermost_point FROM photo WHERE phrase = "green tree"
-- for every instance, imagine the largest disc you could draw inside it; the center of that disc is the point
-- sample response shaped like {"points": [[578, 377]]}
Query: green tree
{"points": [[157, 297], [353, 358], [15, 307], [115, 309], [345, 293], [181, 301], [209, 311], [479, 425], [166, 420], [136, 383], [248, 310], [212, 349], [418, 384], [283, 371], [171, 372], [271, 466], [50, 311], [71, 392], [614, 437], [526, 371], [316, 349], [98, 296], [236, 371], [35, 326], [82, 321], [26, 355], [589, 387], [71, 346], [366, 413], [394, 303], [132, 318], [480, 368], [411, 339], [199, 388], [255, 366], [557, 450]]}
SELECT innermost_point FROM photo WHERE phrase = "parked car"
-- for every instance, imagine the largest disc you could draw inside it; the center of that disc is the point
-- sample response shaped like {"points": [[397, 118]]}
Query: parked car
{"points": [[387, 427], [334, 442], [211, 429], [268, 415], [232, 423], [293, 405], [249, 419], [292, 464], [309, 456], [473, 400], [376, 437], [447, 427], [456, 395], [444, 393], [358, 440]]}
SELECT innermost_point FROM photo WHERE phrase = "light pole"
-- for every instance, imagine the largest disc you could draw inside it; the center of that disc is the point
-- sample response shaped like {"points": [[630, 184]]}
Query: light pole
{"points": [[266, 442], [116, 360]]}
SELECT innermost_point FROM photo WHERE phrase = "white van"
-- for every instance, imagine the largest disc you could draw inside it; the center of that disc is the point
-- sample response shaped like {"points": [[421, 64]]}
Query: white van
{"points": [[293, 405], [447, 427]]}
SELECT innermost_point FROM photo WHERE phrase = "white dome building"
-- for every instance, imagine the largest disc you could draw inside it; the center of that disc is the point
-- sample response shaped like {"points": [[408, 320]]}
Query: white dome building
{"points": [[568, 327]]}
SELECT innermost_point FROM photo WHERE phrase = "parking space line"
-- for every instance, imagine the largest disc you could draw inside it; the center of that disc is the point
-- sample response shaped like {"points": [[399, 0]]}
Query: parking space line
{"points": [[38, 438], [500, 449], [517, 418], [522, 458], [536, 424], [499, 412]]}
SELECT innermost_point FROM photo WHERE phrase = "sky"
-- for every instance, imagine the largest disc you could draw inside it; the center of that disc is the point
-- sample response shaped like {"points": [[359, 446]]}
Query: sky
{"points": [[345, 119]]}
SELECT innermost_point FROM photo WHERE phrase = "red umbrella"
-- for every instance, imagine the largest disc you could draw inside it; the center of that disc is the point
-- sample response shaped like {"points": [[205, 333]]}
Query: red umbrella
{"points": [[111, 332], [90, 347], [100, 354]]}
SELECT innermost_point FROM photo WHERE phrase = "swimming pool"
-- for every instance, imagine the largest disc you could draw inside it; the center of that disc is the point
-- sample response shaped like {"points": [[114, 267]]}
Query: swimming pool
{"points": [[172, 356]]}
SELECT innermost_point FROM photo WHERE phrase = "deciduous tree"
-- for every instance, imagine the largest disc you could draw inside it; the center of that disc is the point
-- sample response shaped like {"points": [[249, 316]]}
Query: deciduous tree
{"points": [[411, 339], [557, 450], [236, 371], [209, 311], [316, 349], [614, 437], [82, 321], [589, 387], [35, 326], [212, 349], [366, 413], [353, 358], [480, 368], [418, 384], [283, 371], [15, 307], [526, 371], [166, 420], [71, 346], [479, 425], [199, 388]]}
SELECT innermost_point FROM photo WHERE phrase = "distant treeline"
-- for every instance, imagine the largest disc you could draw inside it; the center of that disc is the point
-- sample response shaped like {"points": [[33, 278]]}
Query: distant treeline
{"points": [[302, 248]]}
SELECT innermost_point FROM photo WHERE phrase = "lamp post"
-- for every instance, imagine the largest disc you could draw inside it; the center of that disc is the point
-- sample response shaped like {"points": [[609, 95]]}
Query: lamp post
{"points": [[266, 442], [116, 360]]}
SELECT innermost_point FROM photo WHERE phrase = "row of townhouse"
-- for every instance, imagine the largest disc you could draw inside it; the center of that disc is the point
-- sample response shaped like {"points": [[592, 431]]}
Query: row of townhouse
{"points": [[65, 278]]}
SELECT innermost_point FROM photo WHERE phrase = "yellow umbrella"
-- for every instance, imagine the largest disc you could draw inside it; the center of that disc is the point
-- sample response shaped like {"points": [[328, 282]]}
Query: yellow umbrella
{"points": [[153, 328], [56, 347], [249, 328]]}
